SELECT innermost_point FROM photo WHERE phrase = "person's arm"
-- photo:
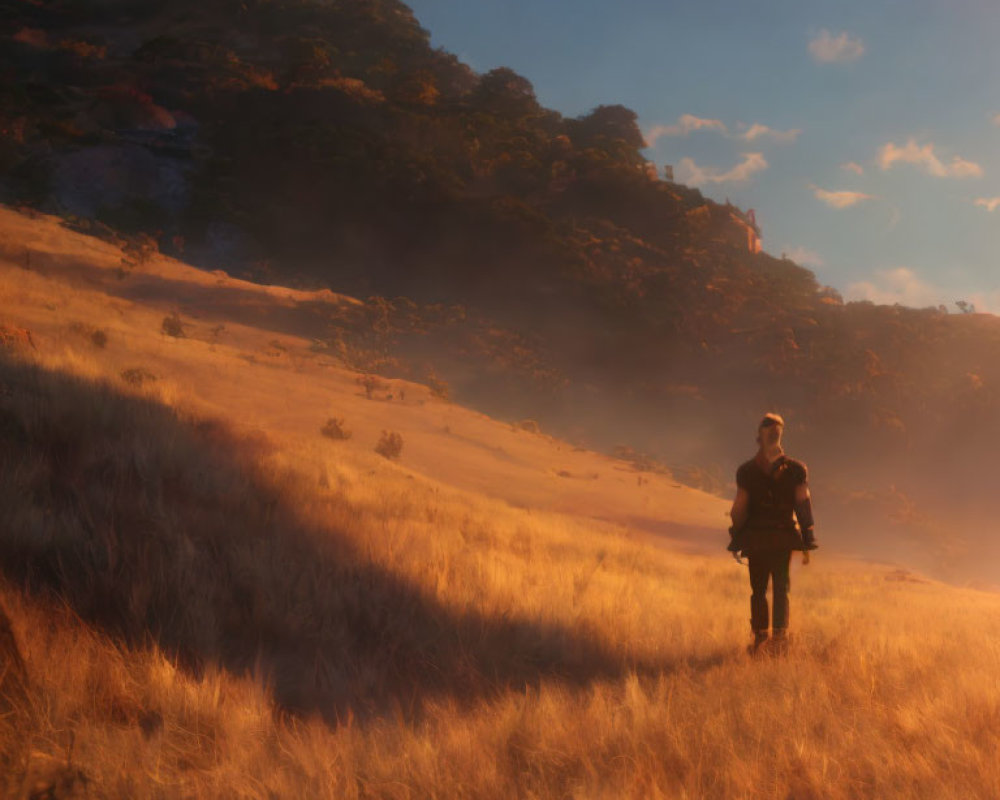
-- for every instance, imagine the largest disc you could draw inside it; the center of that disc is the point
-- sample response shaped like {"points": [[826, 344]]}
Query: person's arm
{"points": [[738, 514], [741, 508], [803, 513]]}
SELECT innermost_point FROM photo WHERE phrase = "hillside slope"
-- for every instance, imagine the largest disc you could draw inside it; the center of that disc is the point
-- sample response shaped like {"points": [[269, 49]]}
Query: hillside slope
{"points": [[208, 598], [247, 353]]}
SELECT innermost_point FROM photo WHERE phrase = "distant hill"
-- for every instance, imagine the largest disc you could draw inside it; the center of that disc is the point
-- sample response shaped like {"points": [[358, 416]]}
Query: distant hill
{"points": [[534, 261]]}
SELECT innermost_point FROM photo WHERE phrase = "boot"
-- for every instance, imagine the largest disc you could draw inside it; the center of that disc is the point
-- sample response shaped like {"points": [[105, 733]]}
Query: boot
{"points": [[779, 642], [759, 641]]}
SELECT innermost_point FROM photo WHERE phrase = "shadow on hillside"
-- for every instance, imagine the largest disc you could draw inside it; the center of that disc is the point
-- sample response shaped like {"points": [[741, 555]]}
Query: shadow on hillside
{"points": [[157, 528]]}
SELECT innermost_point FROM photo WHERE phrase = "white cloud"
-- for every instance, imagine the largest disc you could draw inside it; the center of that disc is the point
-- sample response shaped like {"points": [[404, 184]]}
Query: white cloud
{"points": [[925, 158], [960, 168], [827, 48], [989, 203], [853, 166], [758, 131], [686, 124], [902, 285], [804, 256], [690, 173], [839, 199]]}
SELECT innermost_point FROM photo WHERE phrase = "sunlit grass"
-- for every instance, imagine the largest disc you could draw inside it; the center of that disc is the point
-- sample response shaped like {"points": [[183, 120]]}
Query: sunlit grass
{"points": [[209, 609], [891, 688]]}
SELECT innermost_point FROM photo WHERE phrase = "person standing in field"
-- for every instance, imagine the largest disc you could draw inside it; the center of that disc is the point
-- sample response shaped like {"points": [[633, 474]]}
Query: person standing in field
{"points": [[772, 493]]}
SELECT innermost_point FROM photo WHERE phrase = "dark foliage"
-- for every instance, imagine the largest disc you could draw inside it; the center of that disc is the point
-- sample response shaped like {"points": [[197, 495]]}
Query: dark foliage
{"points": [[390, 445], [335, 429]]}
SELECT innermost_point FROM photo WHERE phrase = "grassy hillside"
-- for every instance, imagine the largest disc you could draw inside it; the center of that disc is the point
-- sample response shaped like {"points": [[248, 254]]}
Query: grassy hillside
{"points": [[240, 342], [210, 598]]}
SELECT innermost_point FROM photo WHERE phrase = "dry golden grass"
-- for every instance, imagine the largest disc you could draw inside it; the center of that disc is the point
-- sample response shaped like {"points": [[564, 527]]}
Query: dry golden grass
{"points": [[229, 367], [205, 611]]}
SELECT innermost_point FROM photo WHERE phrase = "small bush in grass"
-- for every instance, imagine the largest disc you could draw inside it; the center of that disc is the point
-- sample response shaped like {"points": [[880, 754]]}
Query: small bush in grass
{"points": [[371, 384], [97, 336], [334, 429], [528, 425], [439, 388], [138, 250], [172, 325], [390, 444], [137, 376]]}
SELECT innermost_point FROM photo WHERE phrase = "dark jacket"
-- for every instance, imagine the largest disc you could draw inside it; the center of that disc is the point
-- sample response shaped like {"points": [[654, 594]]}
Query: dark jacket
{"points": [[770, 521]]}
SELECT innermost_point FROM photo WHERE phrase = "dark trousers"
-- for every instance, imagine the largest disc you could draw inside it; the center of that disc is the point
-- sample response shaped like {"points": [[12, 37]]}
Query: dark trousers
{"points": [[769, 565]]}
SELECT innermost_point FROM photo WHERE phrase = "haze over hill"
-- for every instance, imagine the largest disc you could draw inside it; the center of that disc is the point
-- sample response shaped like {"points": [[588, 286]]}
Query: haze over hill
{"points": [[547, 273]]}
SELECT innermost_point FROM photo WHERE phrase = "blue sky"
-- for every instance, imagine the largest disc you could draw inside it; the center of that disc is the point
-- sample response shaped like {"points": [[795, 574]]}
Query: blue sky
{"points": [[865, 135]]}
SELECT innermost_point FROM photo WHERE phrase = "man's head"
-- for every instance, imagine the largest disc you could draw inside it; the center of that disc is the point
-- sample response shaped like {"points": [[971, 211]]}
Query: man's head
{"points": [[770, 429]]}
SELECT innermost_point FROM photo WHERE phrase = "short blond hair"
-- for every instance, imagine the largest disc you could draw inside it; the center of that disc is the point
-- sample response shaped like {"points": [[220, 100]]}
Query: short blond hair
{"points": [[770, 418]]}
